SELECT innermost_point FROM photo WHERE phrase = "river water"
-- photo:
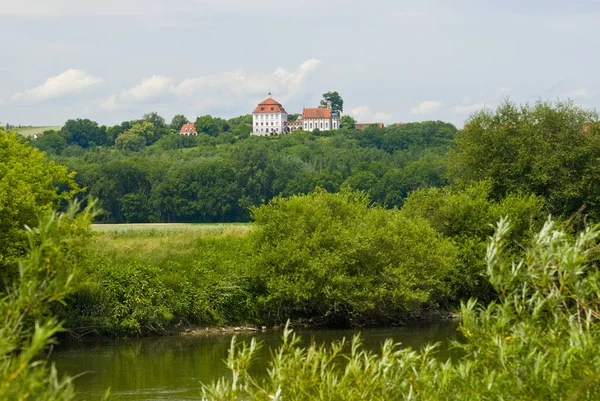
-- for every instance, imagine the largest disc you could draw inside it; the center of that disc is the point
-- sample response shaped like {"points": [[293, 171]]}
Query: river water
{"points": [[173, 368]]}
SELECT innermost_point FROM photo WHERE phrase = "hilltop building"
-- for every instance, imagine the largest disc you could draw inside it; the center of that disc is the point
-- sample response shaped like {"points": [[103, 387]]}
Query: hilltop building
{"points": [[365, 126], [270, 118], [188, 129], [321, 118]]}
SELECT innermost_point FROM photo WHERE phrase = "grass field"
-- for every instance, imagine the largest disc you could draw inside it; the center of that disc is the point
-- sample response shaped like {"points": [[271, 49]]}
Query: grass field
{"points": [[28, 131], [162, 229]]}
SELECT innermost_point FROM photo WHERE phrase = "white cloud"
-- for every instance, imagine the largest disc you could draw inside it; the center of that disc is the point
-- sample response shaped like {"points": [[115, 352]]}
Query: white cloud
{"points": [[148, 89], [67, 82], [363, 114], [467, 99], [579, 93], [281, 81], [237, 84], [468, 108], [426, 107]]}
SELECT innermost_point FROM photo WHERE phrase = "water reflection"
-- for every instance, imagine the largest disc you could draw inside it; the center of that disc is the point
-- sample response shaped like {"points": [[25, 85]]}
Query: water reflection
{"points": [[172, 368]]}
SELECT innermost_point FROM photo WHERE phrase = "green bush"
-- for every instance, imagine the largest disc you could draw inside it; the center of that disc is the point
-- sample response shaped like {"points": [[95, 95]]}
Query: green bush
{"points": [[464, 216], [334, 258], [539, 341], [27, 329], [139, 283]]}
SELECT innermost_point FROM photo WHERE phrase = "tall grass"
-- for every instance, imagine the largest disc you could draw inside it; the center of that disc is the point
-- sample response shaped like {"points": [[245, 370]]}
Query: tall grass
{"points": [[139, 280], [162, 229]]}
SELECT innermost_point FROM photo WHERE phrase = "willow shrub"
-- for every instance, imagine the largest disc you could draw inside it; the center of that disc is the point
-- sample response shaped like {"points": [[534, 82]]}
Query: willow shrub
{"points": [[538, 341], [334, 258], [464, 216], [26, 327]]}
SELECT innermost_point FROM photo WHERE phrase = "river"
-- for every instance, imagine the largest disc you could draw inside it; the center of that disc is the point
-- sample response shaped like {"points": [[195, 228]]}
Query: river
{"points": [[173, 368]]}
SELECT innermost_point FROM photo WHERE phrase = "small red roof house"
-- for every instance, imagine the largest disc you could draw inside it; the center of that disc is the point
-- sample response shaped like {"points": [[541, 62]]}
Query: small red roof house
{"points": [[36, 136], [188, 129], [365, 126]]}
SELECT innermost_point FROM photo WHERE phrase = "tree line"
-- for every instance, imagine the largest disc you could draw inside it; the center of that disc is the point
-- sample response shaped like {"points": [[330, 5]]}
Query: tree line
{"points": [[149, 173]]}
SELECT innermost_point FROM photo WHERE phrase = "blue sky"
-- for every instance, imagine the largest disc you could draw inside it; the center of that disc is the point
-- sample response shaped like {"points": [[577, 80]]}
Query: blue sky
{"points": [[391, 60]]}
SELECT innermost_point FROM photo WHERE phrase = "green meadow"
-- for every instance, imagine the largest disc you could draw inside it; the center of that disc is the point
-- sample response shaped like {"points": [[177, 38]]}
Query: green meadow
{"points": [[29, 131], [160, 229]]}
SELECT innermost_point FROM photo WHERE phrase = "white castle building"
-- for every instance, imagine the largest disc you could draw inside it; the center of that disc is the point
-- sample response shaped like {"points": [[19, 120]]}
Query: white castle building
{"points": [[270, 118]]}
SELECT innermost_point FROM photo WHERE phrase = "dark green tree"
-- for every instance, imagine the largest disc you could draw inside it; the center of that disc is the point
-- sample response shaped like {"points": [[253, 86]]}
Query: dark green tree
{"points": [[347, 122], [337, 103], [548, 149], [84, 132], [155, 119], [178, 121], [208, 125], [51, 141]]}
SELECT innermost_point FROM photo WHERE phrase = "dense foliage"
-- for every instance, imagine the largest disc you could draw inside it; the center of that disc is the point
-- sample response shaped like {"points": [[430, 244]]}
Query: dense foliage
{"points": [[146, 172], [332, 257], [26, 329], [538, 341], [29, 186], [327, 257], [463, 216], [135, 283], [550, 150]]}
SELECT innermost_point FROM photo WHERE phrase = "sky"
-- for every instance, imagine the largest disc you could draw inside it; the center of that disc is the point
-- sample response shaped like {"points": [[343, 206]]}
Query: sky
{"points": [[391, 60]]}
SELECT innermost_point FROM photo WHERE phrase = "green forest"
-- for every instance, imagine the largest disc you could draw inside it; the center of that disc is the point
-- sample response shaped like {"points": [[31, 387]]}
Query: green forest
{"points": [[220, 174], [495, 222]]}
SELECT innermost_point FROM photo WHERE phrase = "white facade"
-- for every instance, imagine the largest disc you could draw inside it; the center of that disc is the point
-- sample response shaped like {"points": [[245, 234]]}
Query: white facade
{"points": [[323, 124], [270, 118], [265, 124]]}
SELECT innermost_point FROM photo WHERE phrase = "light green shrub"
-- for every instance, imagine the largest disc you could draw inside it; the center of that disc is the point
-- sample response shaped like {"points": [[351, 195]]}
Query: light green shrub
{"points": [[539, 341], [334, 258], [26, 328]]}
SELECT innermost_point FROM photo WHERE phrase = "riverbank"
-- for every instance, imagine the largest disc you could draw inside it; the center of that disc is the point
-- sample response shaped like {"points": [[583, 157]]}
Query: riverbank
{"points": [[371, 268]]}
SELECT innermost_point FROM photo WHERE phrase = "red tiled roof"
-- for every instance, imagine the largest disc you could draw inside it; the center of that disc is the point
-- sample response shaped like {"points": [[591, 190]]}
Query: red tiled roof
{"points": [[363, 126], [188, 128], [319, 112], [269, 106]]}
